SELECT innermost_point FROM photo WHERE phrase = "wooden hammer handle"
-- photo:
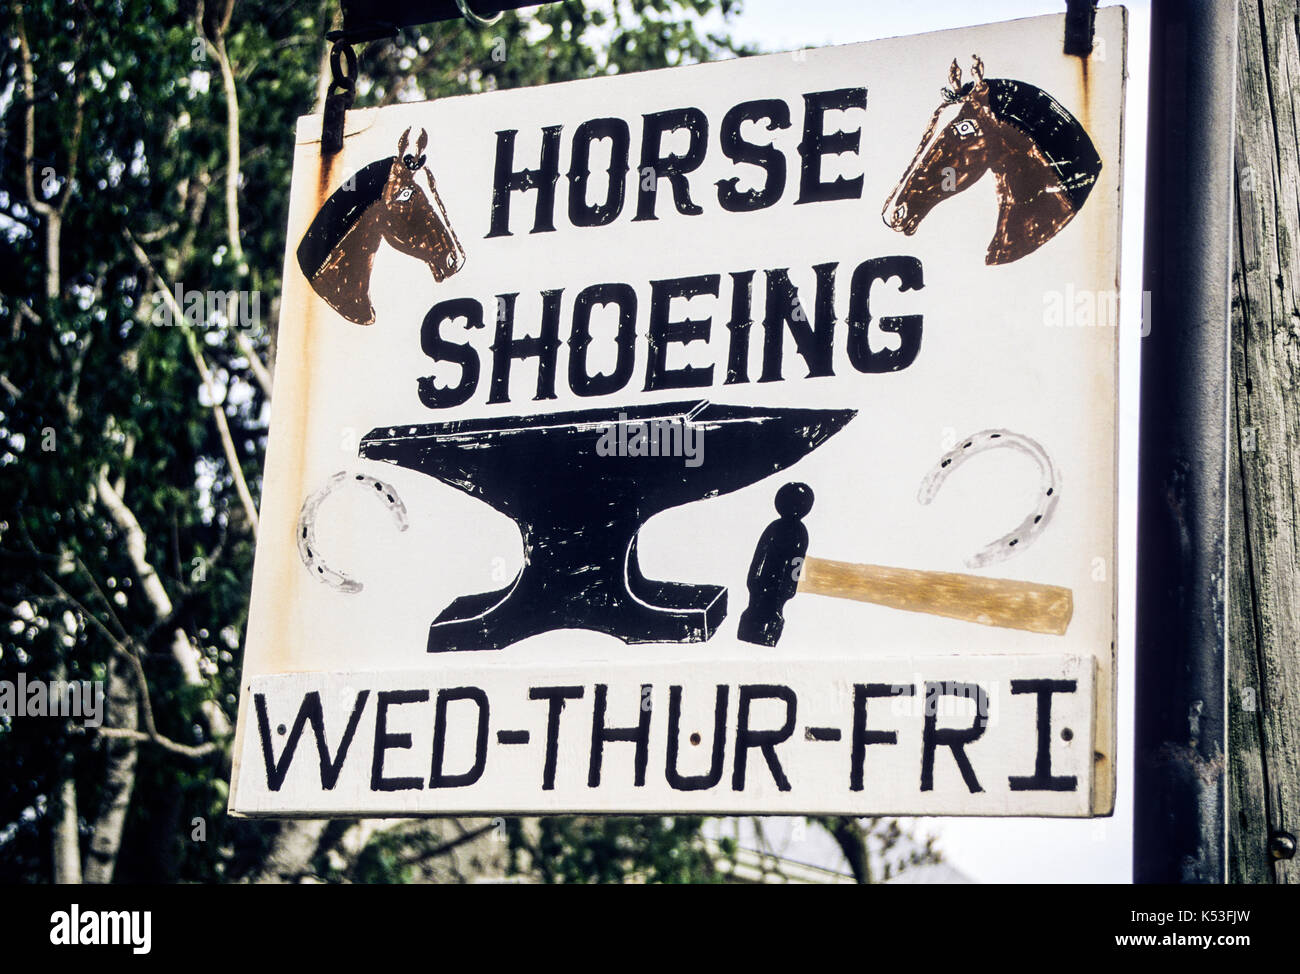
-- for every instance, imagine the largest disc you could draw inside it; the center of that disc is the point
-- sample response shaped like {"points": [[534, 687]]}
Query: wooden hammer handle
{"points": [[989, 601]]}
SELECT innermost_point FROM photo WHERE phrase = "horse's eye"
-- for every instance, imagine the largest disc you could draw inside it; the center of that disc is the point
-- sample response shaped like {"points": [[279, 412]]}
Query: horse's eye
{"points": [[966, 127]]}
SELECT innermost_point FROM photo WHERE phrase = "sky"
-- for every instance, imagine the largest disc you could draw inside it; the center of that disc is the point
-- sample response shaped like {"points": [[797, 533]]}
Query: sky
{"points": [[1010, 850]]}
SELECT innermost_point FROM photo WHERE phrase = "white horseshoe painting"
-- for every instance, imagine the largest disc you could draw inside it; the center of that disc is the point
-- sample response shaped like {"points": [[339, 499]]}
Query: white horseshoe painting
{"points": [[309, 550], [1035, 523]]}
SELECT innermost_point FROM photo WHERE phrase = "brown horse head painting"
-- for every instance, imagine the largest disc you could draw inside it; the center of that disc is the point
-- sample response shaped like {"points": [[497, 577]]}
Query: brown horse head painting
{"points": [[1042, 160], [384, 201]]}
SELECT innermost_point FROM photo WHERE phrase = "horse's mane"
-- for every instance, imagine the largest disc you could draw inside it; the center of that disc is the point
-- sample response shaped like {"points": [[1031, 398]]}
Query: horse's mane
{"points": [[1057, 133], [338, 214]]}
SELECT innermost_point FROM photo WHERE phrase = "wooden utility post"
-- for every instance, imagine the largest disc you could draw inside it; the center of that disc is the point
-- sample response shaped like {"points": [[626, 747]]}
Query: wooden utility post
{"points": [[1264, 468]]}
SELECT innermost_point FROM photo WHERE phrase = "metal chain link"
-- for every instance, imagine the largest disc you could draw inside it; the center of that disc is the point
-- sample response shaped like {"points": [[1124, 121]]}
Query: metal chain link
{"points": [[342, 57]]}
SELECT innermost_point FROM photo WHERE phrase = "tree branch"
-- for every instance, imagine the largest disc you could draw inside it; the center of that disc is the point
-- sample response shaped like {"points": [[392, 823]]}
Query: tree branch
{"points": [[29, 116], [184, 652], [218, 414], [848, 834], [217, 45], [122, 757], [467, 835], [48, 213], [166, 743], [128, 651], [66, 832], [223, 430], [255, 363]]}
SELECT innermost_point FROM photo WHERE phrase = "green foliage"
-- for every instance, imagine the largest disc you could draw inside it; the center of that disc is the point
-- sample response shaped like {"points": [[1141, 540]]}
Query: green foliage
{"points": [[130, 139], [613, 850]]}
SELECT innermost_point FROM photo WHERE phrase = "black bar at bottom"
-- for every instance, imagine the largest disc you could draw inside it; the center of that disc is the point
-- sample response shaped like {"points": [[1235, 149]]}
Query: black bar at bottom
{"points": [[312, 927]]}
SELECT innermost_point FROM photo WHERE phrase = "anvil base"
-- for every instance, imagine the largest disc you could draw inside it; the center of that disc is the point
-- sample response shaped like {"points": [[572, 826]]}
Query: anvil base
{"points": [[641, 611]]}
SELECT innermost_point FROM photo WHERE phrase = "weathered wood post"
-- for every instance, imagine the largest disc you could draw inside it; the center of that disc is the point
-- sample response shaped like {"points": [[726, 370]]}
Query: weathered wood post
{"points": [[1264, 533]]}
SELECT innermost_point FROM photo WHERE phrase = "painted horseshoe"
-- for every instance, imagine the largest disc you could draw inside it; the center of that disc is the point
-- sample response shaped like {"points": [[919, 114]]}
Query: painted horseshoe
{"points": [[307, 549], [1025, 533]]}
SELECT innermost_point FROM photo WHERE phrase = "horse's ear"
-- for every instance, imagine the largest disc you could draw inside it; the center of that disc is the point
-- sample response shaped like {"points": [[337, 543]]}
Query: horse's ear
{"points": [[402, 142], [422, 141], [977, 69], [954, 75]]}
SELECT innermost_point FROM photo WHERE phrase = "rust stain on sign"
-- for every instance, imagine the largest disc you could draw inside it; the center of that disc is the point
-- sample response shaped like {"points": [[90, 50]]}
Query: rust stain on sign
{"points": [[1085, 92], [324, 175], [297, 399]]}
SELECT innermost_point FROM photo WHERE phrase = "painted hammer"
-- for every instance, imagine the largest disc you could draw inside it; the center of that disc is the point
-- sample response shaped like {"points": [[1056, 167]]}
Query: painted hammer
{"points": [[780, 569]]}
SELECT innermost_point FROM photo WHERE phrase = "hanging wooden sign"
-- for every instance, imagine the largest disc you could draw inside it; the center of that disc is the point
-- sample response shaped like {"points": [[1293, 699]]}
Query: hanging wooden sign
{"points": [[734, 438]]}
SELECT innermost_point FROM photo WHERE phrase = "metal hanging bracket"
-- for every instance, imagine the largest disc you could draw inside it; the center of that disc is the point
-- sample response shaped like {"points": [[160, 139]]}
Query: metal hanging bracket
{"points": [[379, 19], [343, 79], [343, 84], [1080, 24]]}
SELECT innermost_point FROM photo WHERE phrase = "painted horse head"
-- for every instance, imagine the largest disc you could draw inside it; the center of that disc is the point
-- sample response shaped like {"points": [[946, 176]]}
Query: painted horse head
{"points": [[1043, 161], [384, 201]]}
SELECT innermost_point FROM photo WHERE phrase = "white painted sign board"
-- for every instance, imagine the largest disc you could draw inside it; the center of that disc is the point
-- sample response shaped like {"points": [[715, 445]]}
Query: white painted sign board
{"points": [[730, 438]]}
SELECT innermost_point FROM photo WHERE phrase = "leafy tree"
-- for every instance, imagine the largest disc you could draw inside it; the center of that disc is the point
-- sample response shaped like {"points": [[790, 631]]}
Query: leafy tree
{"points": [[145, 146]]}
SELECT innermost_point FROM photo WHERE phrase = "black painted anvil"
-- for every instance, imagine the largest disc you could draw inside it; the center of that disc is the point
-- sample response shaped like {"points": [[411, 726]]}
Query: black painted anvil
{"points": [[579, 506]]}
